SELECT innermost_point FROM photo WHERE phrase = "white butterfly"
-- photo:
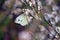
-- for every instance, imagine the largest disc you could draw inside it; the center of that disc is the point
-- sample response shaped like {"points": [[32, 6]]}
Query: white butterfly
{"points": [[22, 19]]}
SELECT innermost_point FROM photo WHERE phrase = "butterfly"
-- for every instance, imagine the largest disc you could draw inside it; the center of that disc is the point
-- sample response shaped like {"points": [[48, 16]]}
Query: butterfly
{"points": [[22, 20]]}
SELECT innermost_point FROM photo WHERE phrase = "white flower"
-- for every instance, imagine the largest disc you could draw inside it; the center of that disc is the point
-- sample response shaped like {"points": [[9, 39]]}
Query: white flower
{"points": [[27, 12], [30, 3], [39, 5]]}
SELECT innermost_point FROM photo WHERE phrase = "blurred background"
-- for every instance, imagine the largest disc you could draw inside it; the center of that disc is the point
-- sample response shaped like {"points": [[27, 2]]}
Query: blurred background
{"points": [[29, 19]]}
